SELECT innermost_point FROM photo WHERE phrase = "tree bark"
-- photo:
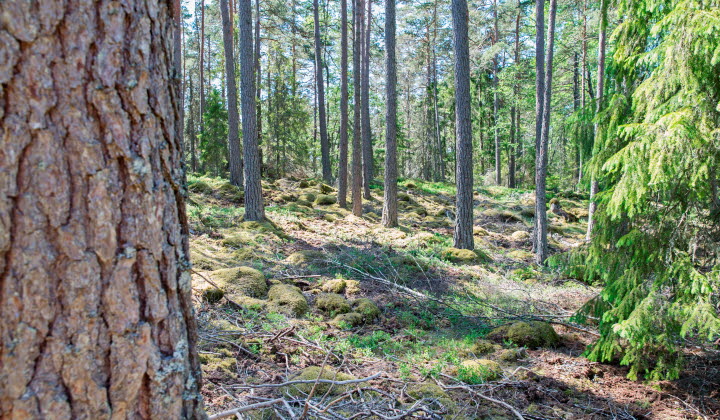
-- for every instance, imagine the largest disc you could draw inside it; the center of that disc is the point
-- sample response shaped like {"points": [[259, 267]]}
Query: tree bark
{"points": [[496, 101], [202, 61], [367, 151], [320, 86], [96, 316], [234, 153], [254, 208], [258, 84], [539, 90], [343, 158], [358, 18], [390, 211], [541, 161], [514, 113], [464, 161], [594, 186]]}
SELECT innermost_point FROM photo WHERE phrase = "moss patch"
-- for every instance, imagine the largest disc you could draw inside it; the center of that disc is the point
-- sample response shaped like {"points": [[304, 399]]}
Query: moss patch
{"points": [[287, 299], [334, 286], [367, 308], [305, 258], [532, 334], [350, 319], [325, 200], [213, 295], [464, 256], [241, 281], [520, 236], [478, 371], [332, 303]]}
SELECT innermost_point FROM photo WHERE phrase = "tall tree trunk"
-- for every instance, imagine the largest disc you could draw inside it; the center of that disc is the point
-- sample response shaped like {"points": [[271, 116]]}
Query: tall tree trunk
{"points": [[202, 65], [514, 113], [343, 158], [320, 86], [234, 152], [96, 316], [254, 208], [541, 160], [258, 84], [594, 186], [496, 101], [190, 126], [358, 18], [390, 211], [464, 165], [367, 151], [539, 91], [439, 175]]}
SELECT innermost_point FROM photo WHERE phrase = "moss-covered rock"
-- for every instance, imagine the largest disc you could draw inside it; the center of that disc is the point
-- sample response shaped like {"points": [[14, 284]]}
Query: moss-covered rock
{"points": [[332, 303], [223, 363], [350, 319], [314, 373], [484, 347], [410, 185], [531, 334], [479, 231], [305, 257], [334, 286], [238, 240], [325, 189], [520, 254], [287, 299], [478, 371], [303, 184], [325, 200], [243, 281], [433, 393], [231, 193], [352, 287], [403, 197], [520, 236], [421, 211], [200, 187], [288, 197], [213, 295], [367, 308], [309, 197], [511, 355], [464, 256], [304, 203]]}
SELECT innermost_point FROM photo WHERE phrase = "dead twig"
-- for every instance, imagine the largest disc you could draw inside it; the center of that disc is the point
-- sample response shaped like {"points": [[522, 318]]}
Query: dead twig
{"points": [[239, 410]]}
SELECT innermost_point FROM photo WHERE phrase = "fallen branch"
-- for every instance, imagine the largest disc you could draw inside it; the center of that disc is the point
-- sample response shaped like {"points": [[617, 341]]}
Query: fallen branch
{"points": [[239, 410], [313, 381], [483, 396]]}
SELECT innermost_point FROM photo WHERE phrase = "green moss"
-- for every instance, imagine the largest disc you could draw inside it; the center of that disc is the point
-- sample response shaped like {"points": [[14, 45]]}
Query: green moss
{"points": [[325, 200], [250, 303], [478, 231], [288, 300], [314, 373], [367, 308], [305, 258], [520, 254], [531, 334], [200, 187], [432, 392], [421, 211], [287, 197], [244, 281], [464, 256], [332, 303], [231, 193], [520, 236], [484, 347], [310, 197], [239, 240], [305, 203], [334, 286], [410, 185], [325, 189], [350, 319], [215, 363], [511, 355], [478, 371], [303, 184], [213, 295], [403, 197]]}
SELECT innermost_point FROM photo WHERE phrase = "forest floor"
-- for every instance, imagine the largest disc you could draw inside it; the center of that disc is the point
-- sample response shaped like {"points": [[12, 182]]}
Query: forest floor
{"points": [[396, 323]]}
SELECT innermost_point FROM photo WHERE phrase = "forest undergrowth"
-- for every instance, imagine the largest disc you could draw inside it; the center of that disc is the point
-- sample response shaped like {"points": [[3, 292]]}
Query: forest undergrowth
{"points": [[322, 314]]}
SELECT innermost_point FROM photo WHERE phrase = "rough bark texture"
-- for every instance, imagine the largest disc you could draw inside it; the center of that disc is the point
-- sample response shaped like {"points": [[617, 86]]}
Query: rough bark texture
{"points": [[254, 209], [320, 85], [539, 88], [594, 186], [496, 101], [390, 211], [514, 114], [464, 166], [234, 152], [343, 158], [258, 84], [96, 319], [541, 160], [357, 148], [367, 153]]}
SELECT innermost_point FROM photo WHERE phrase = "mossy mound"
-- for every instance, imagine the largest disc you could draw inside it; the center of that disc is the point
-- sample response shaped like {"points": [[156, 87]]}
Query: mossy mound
{"points": [[303, 184], [244, 281], [350, 319], [478, 371], [309, 197], [420, 211], [352, 287], [484, 347], [213, 295], [424, 239], [367, 308], [304, 203], [504, 216], [403, 197], [332, 303], [434, 394], [251, 303], [325, 189], [478, 231], [288, 300], [239, 239], [334, 286], [520, 236], [223, 363], [287, 197], [305, 258], [520, 254], [314, 373], [231, 193], [531, 334], [410, 185], [511, 355], [325, 200], [464, 256], [200, 187]]}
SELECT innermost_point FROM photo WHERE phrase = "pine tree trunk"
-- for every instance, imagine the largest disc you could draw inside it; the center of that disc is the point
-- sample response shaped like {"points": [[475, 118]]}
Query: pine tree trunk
{"points": [[541, 161], [358, 18], [343, 158], [464, 165], [96, 316], [367, 151], [254, 209], [258, 84], [320, 86], [514, 112], [539, 91], [594, 185], [390, 210], [202, 66], [496, 102], [234, 153]]}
